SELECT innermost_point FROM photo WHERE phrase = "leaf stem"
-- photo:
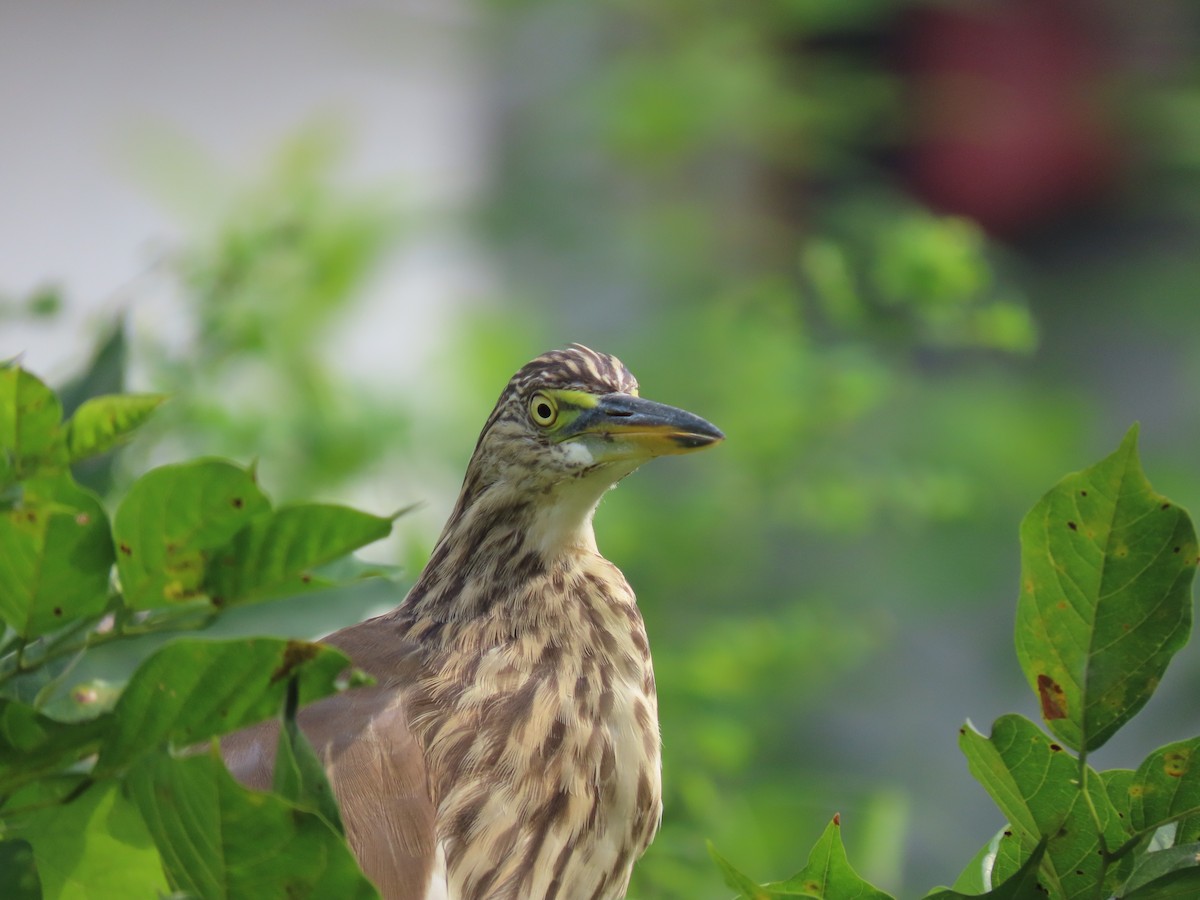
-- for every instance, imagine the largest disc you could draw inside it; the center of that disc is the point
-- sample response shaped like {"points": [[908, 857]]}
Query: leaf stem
{"points": [[1085, 788], [64, 643], [1106, 856]]}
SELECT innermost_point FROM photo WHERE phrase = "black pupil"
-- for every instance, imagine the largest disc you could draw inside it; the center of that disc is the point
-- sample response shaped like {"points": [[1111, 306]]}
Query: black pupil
{"points": [[544, 411]]}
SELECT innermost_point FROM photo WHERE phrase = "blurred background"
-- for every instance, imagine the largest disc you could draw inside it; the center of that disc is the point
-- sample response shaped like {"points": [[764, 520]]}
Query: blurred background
{"points": [[917, 259]]}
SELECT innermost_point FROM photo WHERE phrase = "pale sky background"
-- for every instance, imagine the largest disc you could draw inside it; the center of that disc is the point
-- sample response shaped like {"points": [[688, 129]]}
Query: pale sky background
{"points": [[82, 85]]}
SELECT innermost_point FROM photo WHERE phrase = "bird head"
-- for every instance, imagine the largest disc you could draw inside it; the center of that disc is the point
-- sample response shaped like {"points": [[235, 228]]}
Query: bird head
{"points": [[574, 412], [568, 426]]}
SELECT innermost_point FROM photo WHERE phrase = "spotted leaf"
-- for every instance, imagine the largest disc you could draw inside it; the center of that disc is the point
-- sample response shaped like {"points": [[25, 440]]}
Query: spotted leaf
{"points": [[1035, 782], [1106, 572]]}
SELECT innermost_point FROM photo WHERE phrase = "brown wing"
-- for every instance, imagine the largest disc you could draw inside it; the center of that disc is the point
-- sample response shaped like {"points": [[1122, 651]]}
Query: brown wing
{"points": [[375, 764]]}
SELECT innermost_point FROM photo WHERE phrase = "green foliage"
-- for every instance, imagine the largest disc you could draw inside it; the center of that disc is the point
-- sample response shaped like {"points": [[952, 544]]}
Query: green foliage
{"points": [[219, 840], [299, 775], [85, 843], [1106, 601], [216, 687], [172, 524], [1107, 569], [1166, 787], [205, 527], [57, 559], [826, 876], [18, 873], [105, 789], [30, 426], [1036, 785]]}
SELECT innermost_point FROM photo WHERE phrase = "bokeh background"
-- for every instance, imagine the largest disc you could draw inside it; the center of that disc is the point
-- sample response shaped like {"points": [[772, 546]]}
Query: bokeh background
{"points": [[918, 259]]}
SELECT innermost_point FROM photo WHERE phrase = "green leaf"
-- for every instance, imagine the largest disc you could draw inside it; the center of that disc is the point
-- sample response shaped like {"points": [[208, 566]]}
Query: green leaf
{"points": [[1116, 784], [1022, 885], [275, 555], [826, 876], [95, 845], [1106, 572], [31, 435], [32, 745], [299, 775], [192, 689], [1166, 785], [1035, 782], [103, 423], [18, 872], [1187, 830], [171, 522], [56, 556], [219, 840], [1153, 869], [1180, 884]]}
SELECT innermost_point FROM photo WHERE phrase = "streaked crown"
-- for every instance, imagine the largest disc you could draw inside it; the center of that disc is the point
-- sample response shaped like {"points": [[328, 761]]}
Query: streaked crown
{"points": [[577, 368]]}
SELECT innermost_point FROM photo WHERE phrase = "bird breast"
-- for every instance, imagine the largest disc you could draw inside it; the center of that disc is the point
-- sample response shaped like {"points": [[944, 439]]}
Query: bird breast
{"points": [[545, 745]]}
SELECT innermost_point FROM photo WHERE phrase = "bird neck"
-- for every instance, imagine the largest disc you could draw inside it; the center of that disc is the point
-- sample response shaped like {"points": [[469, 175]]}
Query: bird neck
{"points": [[504, 534]]}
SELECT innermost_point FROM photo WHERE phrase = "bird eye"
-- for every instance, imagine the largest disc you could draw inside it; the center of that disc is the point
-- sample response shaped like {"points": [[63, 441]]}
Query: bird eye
{"points": [[543, 410]]}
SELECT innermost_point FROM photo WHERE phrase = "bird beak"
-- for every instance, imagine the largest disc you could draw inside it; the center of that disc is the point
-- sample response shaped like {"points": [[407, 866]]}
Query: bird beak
{"points": [[640, 427]]}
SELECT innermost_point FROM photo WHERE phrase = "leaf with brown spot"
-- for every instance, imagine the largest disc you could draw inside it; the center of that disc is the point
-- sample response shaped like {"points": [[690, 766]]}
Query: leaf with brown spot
{"points": [[173, 521], [56, 555], [1166, 784], [1053, 698], [1104, 604], [1035, 784]]}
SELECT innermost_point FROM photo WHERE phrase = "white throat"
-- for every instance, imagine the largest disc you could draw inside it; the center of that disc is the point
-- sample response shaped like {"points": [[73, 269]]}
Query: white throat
{"points": [[566, 522]]}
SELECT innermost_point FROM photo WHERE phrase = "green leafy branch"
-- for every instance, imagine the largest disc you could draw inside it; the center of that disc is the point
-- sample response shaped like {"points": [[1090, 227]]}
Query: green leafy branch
{"points": [[1107, 566], [107, 790]]}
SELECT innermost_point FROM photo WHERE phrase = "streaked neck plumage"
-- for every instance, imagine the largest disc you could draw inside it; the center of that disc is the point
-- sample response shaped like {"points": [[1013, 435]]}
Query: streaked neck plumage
{"points": [[510, 525], [550, 783]]}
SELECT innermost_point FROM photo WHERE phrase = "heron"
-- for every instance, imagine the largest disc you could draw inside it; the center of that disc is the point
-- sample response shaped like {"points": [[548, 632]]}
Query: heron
{"points": [[509, 746]]}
